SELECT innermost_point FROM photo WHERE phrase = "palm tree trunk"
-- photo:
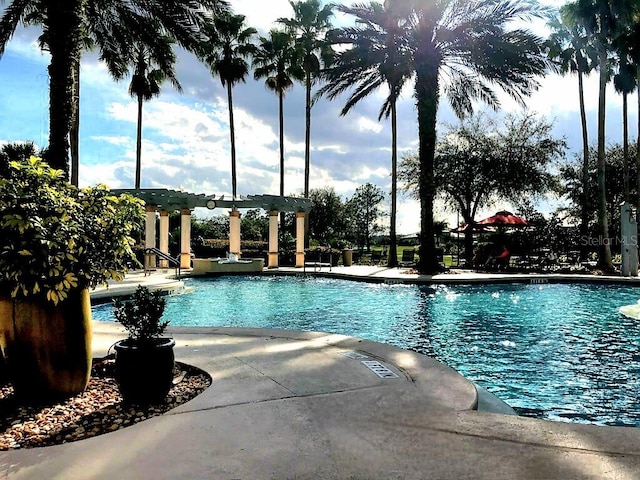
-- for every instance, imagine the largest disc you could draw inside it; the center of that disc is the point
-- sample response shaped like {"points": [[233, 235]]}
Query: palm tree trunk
{"points": [[139, 142], [427, 88], [604, 251], [281, 108], [393, 240], [307, 135], [307, 153], [74, 133], [63, 28], [232, 133], [638, 147], [585, 210], [625, 145]]}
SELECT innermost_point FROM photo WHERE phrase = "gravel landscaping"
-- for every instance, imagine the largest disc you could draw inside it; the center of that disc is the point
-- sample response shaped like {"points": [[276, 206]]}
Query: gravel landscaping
{"points": [[97, 410]]}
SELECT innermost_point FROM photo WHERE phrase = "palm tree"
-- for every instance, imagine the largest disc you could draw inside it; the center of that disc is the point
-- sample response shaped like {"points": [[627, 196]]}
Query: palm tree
{"points": [[226, 54], [463, 48], [634, 34], [309, 26], [600, 19], [376, 56], [630, 39], [111, 25], [37, 18], [149, 72], [17, 151], [569, 47], [277, 60], [624, 82]]}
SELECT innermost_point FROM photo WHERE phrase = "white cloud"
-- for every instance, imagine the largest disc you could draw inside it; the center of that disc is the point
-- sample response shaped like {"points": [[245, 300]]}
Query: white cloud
{"points": [[558, 95], [367, 174], [368, 125], [335, 148]]}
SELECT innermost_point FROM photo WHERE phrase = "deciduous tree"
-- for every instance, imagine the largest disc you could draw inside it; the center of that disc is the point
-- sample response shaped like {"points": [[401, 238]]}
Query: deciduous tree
{"points": [[481, 161], [364, 212]]}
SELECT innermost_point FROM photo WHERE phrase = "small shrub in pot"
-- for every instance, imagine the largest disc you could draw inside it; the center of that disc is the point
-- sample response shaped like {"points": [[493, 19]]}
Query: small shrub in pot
{"points": [[145, 360]]}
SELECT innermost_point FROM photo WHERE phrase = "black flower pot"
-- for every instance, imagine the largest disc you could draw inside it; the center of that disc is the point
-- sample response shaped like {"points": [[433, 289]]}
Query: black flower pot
{"points": [[144, 370]]}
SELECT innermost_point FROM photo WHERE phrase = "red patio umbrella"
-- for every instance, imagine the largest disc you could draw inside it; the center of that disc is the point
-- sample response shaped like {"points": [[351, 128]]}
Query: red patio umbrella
{"points": [[503, 219]]}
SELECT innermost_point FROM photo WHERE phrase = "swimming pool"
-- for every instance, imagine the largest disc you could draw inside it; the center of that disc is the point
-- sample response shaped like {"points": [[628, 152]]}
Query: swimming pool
{"points": [[561, 351]]}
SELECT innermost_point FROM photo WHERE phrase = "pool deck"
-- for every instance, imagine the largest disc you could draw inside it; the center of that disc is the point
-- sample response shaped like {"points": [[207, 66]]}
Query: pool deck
{"points": [[299, 405]]}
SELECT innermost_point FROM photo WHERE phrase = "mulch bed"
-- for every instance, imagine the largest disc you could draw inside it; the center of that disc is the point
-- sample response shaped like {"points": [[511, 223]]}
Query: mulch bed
{"points": [[97, 410]]}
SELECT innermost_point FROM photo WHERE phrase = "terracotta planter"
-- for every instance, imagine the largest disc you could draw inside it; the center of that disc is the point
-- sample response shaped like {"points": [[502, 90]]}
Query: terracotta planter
{"points": [[47, 348], [144, 371]]}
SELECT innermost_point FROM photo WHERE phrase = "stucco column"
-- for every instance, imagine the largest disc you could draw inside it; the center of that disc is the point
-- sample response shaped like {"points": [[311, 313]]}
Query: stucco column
{"points": [[234, 232], [150, 236], [185, 238], [300, 218], [164, 236], [629, 233], [273, 239]]}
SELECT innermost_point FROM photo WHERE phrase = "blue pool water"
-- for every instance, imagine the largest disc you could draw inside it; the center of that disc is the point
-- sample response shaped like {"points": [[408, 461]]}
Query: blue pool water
{"points": [[560, 352]]}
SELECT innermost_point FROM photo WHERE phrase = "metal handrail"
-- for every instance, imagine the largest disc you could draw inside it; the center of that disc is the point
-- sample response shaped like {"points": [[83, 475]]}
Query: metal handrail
{"points": [[163, 256]]}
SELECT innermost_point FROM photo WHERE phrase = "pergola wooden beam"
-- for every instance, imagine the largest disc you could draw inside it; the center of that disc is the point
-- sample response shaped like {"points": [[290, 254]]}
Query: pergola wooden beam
{"points": [[170, 200]]}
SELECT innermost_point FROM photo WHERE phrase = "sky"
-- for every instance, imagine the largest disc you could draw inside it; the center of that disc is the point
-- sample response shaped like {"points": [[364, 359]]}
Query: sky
{"points": [[186, 135]]}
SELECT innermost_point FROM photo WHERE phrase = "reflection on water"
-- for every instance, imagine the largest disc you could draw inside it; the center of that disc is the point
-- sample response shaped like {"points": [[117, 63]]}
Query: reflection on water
{"points": [[553, 351]]}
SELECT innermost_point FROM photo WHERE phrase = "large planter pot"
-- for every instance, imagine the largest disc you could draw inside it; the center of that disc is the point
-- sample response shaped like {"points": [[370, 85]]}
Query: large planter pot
{"points": [[47, 347], [144, 371], [347, 257]]}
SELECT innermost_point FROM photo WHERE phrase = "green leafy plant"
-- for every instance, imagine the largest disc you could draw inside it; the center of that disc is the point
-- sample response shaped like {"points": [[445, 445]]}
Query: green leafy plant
{"points": [[55, 237], [141, 315]]}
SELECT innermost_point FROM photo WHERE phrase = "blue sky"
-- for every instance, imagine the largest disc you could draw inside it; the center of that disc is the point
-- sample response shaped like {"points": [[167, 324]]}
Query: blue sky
{"points": [[186, 137]]}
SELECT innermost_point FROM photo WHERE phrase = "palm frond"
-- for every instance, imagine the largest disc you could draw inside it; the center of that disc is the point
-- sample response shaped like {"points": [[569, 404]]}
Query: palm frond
{"points": [[13, 14]]}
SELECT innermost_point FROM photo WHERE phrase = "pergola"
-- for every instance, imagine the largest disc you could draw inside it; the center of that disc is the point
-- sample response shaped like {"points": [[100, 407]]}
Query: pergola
{"points": [[166, 201]]}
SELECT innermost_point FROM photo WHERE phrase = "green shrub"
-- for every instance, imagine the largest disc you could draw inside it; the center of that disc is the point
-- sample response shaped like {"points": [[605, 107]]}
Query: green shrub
{"points": [[55, 237], [141, 315]]}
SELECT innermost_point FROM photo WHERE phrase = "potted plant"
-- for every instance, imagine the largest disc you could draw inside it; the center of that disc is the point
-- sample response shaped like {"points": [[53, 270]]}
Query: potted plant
{"points": [[56, 243], [145, 360]]}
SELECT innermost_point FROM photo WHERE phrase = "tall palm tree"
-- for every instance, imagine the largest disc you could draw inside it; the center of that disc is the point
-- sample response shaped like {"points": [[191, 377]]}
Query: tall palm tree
{"points": [[630, 39], [149, 72], [569, 47], [226, 54], [112, 25], [634, 34], [624, 82], [464, 48], [310, 23], [376, 57], [600, 19], [277, 60]]}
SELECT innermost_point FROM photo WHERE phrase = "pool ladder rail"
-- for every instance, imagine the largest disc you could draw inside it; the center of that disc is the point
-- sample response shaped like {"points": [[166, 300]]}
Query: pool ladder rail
{"points": [[319, 263], [148, 252]]}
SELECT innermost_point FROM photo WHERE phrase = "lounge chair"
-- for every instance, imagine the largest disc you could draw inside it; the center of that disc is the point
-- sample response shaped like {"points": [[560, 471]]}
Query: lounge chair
{"points": [[376, 257], [408, 258]]}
